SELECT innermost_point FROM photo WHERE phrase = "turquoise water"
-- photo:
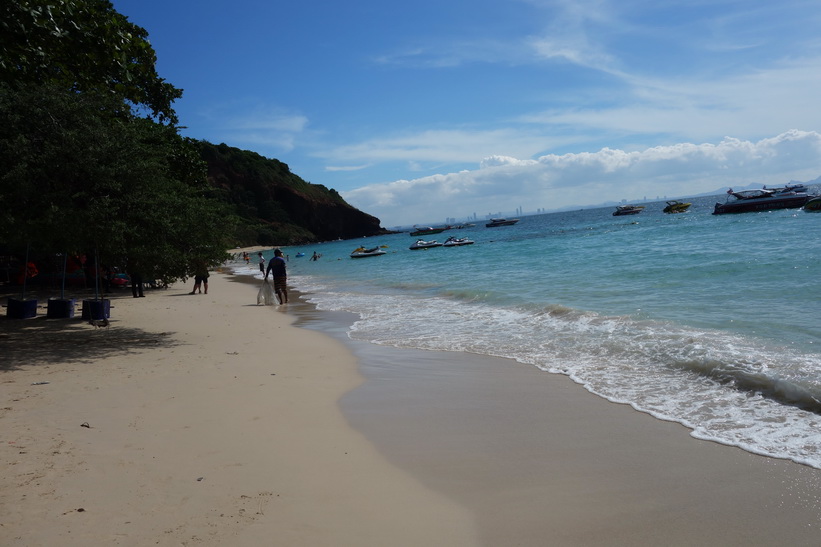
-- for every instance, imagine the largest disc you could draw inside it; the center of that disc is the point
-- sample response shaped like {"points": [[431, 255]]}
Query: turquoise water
{"points": [[710, 321]]}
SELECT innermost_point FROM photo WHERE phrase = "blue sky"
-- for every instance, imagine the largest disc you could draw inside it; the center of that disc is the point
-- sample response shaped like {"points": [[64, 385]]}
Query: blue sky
{"points": [[441, 109]]}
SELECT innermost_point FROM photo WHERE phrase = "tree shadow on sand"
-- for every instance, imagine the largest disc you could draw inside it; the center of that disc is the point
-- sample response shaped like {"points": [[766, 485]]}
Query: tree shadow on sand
{"points": [[42, 341]]}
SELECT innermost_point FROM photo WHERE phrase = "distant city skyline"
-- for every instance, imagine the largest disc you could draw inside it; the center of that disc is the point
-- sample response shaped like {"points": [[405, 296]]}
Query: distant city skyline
{"points": [[814, 186]]}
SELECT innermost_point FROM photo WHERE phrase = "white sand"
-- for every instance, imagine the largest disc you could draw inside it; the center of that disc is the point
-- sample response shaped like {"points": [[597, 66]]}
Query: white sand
{"points": [[212, 421]]}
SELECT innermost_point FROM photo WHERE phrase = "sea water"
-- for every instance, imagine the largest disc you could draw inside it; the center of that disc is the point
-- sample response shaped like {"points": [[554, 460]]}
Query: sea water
{"points": [[710, 321]]}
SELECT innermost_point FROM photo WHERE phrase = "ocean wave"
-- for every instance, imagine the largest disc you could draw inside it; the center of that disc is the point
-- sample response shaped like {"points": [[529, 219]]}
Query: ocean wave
{"points": [[725, 387], [759, 382]]}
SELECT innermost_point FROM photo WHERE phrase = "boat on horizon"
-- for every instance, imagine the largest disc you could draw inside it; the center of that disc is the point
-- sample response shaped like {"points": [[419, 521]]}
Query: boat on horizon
{"points": [[422, 244], [427, 230], [787, 188], [457, 241], [765, 199], [362, 252], [628, 210], [813, 205], [675, 206], [501, 222]]}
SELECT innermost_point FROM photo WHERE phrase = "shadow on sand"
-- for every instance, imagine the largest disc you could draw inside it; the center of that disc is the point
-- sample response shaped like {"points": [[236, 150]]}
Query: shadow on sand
{"points": [[42, 341]]}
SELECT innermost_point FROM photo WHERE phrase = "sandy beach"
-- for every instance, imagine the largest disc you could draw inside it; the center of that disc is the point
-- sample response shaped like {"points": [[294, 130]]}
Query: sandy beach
{"points": [[207, 419], [210, 420]]}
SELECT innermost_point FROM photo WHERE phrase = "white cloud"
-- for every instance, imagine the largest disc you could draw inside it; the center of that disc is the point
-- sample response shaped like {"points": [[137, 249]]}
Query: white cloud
{"points": [[496, 161], [553, 181], [761, 102], [443, 146], [270, 121], [346, 168], [269, 130]]}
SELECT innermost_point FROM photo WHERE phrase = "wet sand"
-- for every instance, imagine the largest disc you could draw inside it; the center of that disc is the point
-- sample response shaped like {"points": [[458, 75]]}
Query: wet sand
{"points": [[540, 461]]}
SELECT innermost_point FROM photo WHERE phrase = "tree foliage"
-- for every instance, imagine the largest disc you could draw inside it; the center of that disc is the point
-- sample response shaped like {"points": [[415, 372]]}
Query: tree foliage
{"points": [[90, 158], [84, 175], [82, 45]]}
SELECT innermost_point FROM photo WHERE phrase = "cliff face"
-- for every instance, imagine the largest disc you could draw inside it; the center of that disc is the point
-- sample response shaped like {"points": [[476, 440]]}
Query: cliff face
{"points": [[277, 207], [326, 219]]}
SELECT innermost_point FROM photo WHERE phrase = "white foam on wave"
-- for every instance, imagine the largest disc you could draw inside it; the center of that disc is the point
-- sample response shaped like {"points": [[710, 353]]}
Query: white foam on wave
{"points": [[675, 373]]}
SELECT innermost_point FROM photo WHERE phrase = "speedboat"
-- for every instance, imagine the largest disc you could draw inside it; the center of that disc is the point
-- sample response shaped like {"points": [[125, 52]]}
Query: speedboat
{"points": [[676, 207], [789, 188], [501, 222], [427, 230], [812, 206], [628, 210], [457, 241], [362, 252], [422, 244], [747, 201]]}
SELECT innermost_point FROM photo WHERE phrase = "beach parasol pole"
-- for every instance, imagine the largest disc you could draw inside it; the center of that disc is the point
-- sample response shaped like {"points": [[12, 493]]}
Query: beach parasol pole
{"points": [[25, 272], [63, 285], [96, 274]]}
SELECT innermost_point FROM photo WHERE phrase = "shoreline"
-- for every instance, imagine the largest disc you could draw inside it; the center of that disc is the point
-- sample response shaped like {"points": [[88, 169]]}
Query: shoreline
{"points": [[540, 460], [214, 420]]}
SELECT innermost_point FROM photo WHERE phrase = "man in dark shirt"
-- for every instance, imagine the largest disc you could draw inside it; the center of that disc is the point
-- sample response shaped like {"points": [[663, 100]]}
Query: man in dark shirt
{"points": [[276, 267]]}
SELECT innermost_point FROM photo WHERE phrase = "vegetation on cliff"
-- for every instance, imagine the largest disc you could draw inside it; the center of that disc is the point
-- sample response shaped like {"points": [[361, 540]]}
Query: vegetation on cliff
{"points": [[277, 207]]}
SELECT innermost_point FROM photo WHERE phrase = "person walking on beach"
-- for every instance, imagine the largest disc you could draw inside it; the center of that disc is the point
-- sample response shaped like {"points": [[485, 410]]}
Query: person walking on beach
{"points": [[276, 267], [137, 285], [261, 263], [200, 279], [136, 278]]}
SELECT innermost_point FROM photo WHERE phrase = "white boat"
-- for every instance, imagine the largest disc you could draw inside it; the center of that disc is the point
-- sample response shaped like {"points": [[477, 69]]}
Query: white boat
{"points": [[362, 252], [501, 222], [422, 244], [427, 230], [457, 241], [750, 201], [789, 189]]}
